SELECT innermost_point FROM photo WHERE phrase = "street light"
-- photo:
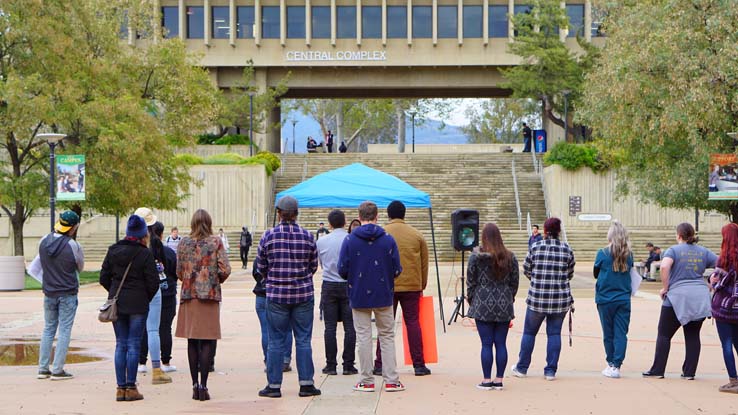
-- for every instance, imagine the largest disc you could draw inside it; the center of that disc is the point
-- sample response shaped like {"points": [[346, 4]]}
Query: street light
{"points": [[294, 122], [251, 124], [412, 114], [52, 139], [566, 93]]}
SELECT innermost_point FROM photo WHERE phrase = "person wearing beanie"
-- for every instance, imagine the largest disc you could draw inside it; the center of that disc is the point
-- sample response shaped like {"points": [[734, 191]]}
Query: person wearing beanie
{"points": [[59, 260], [130, 258], [549, 266], [409, 285]]}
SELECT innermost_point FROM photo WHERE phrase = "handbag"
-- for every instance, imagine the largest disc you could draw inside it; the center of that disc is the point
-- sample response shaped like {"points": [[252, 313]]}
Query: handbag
{"points": [[725, 298], [635, 280], [108, 312]]}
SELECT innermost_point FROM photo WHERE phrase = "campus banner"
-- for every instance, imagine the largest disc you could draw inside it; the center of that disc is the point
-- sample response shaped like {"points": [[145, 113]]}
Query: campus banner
{"points": [[70, 180]]}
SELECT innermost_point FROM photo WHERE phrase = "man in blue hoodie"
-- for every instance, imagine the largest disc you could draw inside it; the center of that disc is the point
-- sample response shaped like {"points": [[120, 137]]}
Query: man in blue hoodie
{"points": [[61, 260], [370, 261]]}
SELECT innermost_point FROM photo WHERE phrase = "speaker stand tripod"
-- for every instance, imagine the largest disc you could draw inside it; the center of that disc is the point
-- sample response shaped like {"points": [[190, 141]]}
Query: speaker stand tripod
{"points": [[460, 300]]}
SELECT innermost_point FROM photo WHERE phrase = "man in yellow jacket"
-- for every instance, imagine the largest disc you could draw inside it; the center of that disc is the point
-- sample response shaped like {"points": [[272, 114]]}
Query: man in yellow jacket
{"points": [[409, 285]]}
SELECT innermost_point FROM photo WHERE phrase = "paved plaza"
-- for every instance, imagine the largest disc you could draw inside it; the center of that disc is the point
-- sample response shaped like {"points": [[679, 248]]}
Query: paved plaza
{"points": [[579, 389]]}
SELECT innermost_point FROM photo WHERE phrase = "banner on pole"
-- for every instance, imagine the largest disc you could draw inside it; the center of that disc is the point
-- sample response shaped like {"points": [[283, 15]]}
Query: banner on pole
{"points": [[70, 181]]}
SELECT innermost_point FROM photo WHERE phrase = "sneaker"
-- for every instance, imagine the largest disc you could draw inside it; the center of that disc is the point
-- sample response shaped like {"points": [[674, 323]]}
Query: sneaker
{"points": [[377, 371], [649, 374], [611, 372], [730, 387], [142, 369], [268, 392], [485, 386], [350, 370], [286, 368], [517, 373], [308, 390], [686, 377], [364, 387], [168, 368], [63, 375], [328, 370], [550, 377], [497, 386], [394, 387], [422, 371], [43, 374]]}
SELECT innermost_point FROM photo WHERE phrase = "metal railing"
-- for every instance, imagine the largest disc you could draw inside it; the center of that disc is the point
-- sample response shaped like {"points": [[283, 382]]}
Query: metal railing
{"points": [[517, 195], [528, 225]]}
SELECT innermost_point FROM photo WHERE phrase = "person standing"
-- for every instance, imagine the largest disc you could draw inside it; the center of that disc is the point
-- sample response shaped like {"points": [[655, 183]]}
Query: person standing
{"points": [[370, 262], [725, 303], [261, 313], [61, 259], [244, 244], [534, 237], [329, 141], [322, 230], [492, 282], [612, 295], [288, 258], [202, 266], [527, 138], [686, 301], [131, 259], [334, 298], [409, 285], [173, 240], [224, 238], [549, 266]]}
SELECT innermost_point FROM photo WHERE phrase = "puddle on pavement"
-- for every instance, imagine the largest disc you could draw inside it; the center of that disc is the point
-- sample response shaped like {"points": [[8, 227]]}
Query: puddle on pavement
{"points": [[24, 353]]}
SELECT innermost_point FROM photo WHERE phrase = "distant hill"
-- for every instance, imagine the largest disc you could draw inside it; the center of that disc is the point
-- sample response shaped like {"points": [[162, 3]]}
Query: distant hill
{"points": [[428, 133]]}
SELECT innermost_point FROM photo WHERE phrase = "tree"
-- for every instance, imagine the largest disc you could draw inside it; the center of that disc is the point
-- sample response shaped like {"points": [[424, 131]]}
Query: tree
{"points": [[548, 69], [63, 68], [668, 103], [500, 120]]}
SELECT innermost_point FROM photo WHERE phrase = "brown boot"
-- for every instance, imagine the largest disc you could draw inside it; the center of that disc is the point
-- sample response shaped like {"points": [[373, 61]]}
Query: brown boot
{"points": [[730, 387], [120, 394], [132, 394], [158, 377]]}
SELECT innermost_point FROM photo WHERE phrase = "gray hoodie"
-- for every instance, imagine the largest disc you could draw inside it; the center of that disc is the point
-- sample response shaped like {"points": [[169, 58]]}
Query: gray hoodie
{"points": [[61, 259]]}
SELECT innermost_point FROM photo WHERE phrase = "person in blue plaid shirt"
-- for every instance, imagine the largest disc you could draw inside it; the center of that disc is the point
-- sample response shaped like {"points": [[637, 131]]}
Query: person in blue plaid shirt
{"points": [[549, 266], [287, 258]]}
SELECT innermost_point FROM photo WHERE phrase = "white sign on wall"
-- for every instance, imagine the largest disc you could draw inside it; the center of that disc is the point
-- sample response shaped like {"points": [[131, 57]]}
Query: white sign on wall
{"points": [[594, 217], [341, 55]]}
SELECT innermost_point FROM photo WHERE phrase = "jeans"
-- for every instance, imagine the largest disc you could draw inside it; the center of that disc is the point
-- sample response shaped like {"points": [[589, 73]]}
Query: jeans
{"points": [[244, 251], [493, 333], [281, 319], [151, 339], [58, 312], [728, 333], [533, 321], [615, 319], [385, 321], [261, 312], [410, 303], [128, 331], [668, 326], [335, 304]]}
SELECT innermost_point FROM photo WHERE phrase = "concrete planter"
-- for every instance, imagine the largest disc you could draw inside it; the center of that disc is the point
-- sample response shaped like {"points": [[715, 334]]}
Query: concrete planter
{"points": [[12, 273]]}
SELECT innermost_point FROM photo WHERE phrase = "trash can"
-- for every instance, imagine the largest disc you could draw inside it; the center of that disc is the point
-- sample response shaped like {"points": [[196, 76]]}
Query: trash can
{"points": [[541, 141]]}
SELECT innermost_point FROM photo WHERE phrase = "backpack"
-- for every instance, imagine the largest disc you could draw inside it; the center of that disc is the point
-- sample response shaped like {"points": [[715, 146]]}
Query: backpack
{"points": [[725, 298]]}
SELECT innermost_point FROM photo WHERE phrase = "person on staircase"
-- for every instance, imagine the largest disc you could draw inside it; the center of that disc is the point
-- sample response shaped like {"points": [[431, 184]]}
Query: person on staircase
{"points": [[244, 245]]}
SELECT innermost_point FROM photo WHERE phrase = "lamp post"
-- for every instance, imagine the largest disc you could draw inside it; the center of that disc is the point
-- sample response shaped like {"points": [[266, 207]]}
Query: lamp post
{"points": [[412, 114], [294, 122], [52, 139], [566, 93], [251, 124]]}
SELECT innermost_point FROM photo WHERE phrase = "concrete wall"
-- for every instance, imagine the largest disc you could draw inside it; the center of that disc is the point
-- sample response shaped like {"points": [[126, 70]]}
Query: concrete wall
{"points": [[598, 196], [210, 150], [444, 148]]}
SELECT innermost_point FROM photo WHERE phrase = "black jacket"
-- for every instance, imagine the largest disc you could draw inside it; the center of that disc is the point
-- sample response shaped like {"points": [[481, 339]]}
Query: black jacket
{"points": [[245, 239], [170, 270], [259, 288], [142, 282], [490, 299]]}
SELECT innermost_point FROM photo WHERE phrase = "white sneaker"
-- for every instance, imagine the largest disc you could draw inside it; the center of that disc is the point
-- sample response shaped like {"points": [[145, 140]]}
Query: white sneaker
{"points": [[168, 368], [611, 372], [517, 373], [550, 377], [142, 369]]}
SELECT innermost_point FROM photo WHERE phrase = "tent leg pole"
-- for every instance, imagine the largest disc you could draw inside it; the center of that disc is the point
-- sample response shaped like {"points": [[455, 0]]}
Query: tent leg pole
{"points": [[274, 218], [438, 274]]}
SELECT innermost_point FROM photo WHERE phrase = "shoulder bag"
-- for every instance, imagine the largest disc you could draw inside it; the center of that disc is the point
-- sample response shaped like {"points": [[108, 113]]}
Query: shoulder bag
{"points": [[109, 310]]}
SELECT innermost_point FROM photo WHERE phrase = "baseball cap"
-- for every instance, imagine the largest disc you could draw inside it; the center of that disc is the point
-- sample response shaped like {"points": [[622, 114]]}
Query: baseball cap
{"points": [[66, 221], [287, 204]]}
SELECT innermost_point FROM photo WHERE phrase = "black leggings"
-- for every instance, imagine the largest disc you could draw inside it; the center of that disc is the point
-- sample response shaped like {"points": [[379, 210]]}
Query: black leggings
{"points": [[199, 354], [668, 326]]}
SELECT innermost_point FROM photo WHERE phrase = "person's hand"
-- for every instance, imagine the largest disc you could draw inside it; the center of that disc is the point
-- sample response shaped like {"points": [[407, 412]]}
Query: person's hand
{"points": [[663, 292], [714, 279]]}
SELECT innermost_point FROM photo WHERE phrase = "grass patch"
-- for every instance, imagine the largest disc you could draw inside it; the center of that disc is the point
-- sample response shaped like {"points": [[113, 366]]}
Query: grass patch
{"points": [[85, 277]]}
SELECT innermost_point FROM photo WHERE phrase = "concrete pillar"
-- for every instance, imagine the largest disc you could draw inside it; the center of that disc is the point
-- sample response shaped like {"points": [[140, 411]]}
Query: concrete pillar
{"points": [[485, 22], [282, 22], [333, 22], [267, 135], [232, 22], [434, 22], [563, 31], [588, 20], [510, 14], [182, 16], [157, 21], [208, 22], [460, 22], [257, 22], [384, 22], [358, 22], [409, 22], [308, 23], [274, 134]]}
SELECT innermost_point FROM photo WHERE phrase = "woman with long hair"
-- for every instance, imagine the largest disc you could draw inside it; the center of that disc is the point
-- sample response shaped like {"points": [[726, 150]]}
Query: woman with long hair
{"points": [[724, 303], [612, 295], [202, 266], [492, 279], [686, 301]]}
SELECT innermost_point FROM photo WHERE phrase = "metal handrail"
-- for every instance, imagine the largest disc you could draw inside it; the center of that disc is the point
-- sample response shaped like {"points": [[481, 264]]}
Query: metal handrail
{"points": [[528, 225], [517, 196], [538, 167]]}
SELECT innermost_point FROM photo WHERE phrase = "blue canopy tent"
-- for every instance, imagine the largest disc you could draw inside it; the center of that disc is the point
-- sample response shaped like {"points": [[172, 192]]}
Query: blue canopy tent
{"points": [[349, 186]]}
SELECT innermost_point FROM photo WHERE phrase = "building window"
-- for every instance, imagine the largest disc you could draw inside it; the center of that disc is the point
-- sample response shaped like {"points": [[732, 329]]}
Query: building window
{"points": [[270, 22], [245, 22], [473, 20], [422, 22], [346, 22], [195, 22], [448, 23], [170, 21], [296, 21], [321, 22], [396, 22], [522, 9], [221, 18], [371, 22], [498, 23], [575, 13]]}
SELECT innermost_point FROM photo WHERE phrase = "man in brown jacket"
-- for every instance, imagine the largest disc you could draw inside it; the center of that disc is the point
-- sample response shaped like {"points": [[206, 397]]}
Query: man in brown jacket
{"points": [[409, 285]]}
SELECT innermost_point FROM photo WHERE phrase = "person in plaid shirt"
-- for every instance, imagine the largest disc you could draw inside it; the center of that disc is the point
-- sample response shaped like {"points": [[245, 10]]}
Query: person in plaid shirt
{"points": [[549, 266], [287, 258]]}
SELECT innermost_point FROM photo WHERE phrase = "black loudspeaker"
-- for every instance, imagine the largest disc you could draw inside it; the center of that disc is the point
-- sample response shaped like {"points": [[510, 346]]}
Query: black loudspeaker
{"points": [[465, 229]]}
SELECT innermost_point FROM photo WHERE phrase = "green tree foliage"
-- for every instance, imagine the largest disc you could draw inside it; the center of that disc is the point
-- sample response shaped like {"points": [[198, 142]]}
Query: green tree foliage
{"points": [[548, 67], [500, 120], [575, 156], [63, 68], [667, 103]]}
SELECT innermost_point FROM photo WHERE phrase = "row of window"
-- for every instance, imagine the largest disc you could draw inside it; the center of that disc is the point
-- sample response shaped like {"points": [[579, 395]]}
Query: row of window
{"points": [[346, 21]]}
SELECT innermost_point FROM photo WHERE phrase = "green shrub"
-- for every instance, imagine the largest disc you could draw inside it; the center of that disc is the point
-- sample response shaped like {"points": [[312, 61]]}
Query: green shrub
{"points": [[575, 156], [225, 158], [274, 162], [234, 139], [207, 138], [189, 159]]}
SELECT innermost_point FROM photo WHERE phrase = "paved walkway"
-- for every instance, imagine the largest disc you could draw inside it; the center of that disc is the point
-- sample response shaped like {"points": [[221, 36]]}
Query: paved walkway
{"points": [[580, 388]]}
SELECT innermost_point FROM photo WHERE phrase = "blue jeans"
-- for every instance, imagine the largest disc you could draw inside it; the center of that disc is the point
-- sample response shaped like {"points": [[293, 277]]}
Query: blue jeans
{"points": [[728, 334], [58, 312], [128, 331], [281, 319], [533, 321], [153, 321], [615, 319], [261, 312], [493, 334]]}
